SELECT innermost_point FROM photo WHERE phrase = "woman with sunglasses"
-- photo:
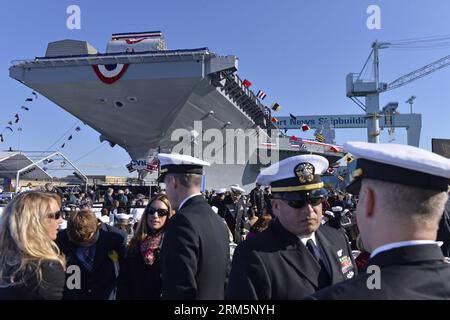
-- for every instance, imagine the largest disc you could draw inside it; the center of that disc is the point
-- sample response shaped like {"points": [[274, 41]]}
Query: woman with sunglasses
{"points": [[31, 266], [140, 275]]}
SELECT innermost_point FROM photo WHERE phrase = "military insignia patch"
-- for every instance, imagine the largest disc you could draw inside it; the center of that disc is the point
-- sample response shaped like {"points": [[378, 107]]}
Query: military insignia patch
{"points": [[346, 264], [304, 172]]}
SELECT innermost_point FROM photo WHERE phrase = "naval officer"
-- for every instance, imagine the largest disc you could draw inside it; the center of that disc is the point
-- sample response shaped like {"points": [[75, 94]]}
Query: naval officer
{"points": [[295, 256], [234, 210], [195, 250], [402, 192]]}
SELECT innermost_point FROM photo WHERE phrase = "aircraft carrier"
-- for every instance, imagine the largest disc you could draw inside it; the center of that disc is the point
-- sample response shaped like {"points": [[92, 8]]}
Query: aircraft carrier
{"points": [[139, 92]]}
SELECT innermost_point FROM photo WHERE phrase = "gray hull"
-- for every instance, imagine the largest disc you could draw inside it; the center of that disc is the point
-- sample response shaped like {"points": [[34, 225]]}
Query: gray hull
{"points": [[157, 94]]}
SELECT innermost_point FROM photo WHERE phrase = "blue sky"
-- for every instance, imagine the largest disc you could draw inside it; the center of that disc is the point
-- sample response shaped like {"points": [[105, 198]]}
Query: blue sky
{"points": [[298, 52]]}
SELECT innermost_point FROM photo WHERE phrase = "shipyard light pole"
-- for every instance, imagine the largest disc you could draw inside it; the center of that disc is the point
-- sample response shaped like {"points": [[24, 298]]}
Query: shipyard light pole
{"points": [[370, 90]]}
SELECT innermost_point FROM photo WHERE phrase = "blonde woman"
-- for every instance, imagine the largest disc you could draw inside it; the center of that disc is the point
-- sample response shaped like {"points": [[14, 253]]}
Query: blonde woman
{"points": [[31, 266], [140, 276]]}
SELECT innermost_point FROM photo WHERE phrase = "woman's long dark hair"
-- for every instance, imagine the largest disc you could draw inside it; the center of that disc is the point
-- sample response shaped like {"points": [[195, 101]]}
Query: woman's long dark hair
{"points": [[142, 231]]}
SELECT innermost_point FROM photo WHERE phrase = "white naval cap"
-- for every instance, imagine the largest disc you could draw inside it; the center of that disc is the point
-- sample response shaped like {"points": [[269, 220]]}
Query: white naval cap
{"points": [[220, 190], [237, 188], [396, 163], [123, 216], [296, 177], [179, 163]]}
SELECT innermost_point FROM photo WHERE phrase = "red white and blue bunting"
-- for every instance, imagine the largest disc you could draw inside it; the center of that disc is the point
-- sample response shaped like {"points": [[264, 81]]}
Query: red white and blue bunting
{"points": [[110, 73]]}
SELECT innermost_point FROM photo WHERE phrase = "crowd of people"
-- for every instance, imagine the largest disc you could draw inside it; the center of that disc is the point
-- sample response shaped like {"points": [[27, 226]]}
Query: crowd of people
{"points": [[288, 238]]}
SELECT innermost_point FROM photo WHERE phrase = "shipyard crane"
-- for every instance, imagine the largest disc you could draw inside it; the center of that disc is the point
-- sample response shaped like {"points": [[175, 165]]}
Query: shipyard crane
{"points": [[356, 87]]}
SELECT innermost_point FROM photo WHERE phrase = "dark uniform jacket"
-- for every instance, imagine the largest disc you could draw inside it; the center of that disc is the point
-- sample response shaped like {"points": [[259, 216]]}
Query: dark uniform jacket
{"points": [[194, 253], [412, 272], [257, 200], [50, 288], [98, 284], [276, 265], [234, 215], [444, 230]]}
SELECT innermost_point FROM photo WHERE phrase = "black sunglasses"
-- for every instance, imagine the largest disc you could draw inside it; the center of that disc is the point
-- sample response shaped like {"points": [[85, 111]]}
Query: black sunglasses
{"points": [[297, 204], [161, 212], [55, 215]]}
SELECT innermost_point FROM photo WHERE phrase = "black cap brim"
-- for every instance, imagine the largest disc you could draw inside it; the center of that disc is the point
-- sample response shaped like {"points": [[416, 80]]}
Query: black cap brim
{"points": [[161, 177], [354, 187], [301, 195]]}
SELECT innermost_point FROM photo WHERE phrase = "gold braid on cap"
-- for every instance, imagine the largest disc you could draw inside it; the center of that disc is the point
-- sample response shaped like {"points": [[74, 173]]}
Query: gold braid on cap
{"points": [[357, 173], [298, 188]]}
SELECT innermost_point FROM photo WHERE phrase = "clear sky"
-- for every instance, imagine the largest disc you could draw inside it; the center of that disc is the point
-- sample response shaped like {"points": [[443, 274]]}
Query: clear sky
{"points": [[298, 52]]}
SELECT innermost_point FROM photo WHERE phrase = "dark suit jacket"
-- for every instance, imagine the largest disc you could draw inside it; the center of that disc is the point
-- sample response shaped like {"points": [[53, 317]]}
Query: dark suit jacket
{"points": [[444, 230], [98, 284], [413, 272], [50, 288], [194, 253], [276, 265]]}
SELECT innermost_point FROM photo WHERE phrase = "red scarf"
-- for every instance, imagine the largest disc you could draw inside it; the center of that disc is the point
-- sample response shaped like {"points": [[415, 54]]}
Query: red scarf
{"points": [[150, 247]]}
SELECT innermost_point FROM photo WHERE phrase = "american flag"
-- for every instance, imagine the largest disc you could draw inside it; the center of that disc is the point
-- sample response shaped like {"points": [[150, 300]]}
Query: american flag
{"points": [[152, 166], [261, 95]]}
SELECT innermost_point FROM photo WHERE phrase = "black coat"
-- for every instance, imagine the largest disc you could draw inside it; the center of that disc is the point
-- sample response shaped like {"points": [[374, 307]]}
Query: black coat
{"points": [[194, 253], [257, 200], [275, 265], [412, 272], [234, 215], [139, 281], [50, 288], [444, 230], [98, 284]]}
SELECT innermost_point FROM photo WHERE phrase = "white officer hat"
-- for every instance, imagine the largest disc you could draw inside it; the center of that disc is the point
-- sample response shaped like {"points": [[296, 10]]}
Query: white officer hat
{"points": [[296, 178], [236, 188], [396, 163], [179, 163], [221, 190], [123, 217]]}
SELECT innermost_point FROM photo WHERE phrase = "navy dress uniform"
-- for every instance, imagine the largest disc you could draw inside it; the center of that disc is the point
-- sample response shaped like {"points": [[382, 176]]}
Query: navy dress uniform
{"points": [[280, 265], [195, 250], [234, 212], [257, 200], [217, 201], [407, 269]]}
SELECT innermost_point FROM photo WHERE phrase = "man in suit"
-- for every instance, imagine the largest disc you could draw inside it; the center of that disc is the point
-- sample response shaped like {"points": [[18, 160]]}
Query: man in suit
{"points": [[195, 250], [402, 192], [295, 256], [97, 253]]}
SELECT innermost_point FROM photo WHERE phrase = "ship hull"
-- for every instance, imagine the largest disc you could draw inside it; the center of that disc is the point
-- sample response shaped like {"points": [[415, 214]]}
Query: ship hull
{"points": [[156, 96]]}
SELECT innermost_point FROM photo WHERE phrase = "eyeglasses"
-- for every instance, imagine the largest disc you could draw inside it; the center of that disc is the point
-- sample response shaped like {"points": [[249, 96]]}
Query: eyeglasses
{"points": [[297, 204], [55, 215], [161, 212]]}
